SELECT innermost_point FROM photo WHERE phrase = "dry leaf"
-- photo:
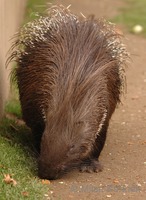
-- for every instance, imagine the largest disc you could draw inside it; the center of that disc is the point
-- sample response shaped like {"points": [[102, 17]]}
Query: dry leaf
{"points": [[14, 182], [45, 182], [9, 180], [115, 181], [130, 143], [143, 142], [25, 194]]}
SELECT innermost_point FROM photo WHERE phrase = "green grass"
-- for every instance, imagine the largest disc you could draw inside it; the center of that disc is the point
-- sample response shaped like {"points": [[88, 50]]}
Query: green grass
{"points": [[14, 108], [134, 13], [18, 159]]}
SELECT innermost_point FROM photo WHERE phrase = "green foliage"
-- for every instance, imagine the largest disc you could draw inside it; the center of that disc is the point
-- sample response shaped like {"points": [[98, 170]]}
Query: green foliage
{"points": [[134, 13], [17, 158], [14, 108], [35, 7]]}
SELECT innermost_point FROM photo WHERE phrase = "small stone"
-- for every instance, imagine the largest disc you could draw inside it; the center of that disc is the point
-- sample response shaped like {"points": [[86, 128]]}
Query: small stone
{"points": [[138, 136], [108, 195], [116, 181], [61, 182], [138, 184], [129, 143]]}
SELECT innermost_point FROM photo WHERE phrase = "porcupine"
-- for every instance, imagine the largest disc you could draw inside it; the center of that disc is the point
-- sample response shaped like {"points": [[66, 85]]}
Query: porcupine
{"points": [[70, 74]]}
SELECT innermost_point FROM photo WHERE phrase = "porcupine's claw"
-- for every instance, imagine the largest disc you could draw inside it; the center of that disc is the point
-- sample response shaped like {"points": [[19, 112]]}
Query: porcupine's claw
{"points": [[90, 165]]}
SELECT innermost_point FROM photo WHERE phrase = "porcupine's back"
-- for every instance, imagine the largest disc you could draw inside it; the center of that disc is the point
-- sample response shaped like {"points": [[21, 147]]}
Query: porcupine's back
{"points": [[61, 57]]}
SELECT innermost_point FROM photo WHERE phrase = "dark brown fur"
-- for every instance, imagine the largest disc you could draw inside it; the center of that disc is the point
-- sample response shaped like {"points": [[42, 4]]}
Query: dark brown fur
{"points": [[69, 87]]}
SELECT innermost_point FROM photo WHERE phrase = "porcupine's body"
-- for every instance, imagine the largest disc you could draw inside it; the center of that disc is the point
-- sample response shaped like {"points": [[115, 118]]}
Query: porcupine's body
{"points": [[69, 74]]}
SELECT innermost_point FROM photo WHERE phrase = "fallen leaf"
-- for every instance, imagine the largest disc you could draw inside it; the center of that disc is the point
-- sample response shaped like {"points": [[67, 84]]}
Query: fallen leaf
{"points": [[7, 179], [25, 194], [115, 181], [130, 143], [45, 182], [143, 142], [14, 182]]}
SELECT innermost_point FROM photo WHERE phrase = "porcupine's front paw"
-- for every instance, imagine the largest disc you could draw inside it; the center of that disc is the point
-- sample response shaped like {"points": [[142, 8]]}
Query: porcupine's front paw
{"points": [[90, 165]]}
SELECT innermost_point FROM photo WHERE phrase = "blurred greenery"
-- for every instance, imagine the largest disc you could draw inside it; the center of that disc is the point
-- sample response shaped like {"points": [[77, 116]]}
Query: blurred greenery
{"points": [[35, 7], [13, 107], [133, 13], [18, 159]]}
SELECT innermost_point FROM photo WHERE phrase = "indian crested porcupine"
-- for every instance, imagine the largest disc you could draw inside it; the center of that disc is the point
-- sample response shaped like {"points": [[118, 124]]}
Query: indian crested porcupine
{"points": [[70, 75]]}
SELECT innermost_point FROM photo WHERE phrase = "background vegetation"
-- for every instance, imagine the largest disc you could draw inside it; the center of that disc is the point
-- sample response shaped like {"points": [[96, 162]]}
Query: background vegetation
{"points": [[134, 13]]}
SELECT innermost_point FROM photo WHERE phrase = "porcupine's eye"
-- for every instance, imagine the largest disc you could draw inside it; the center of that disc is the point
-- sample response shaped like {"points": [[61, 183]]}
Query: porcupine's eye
{"points": [[72, 147], [73, 152], [83, 149]]}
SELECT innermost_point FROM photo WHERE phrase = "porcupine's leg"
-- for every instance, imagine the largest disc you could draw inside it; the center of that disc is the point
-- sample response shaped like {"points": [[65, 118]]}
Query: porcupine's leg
{"points": [[92, 163]]}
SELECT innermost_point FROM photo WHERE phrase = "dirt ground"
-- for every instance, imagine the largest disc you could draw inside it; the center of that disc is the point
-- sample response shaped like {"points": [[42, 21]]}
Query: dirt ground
{"points": [[124, 155]]}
